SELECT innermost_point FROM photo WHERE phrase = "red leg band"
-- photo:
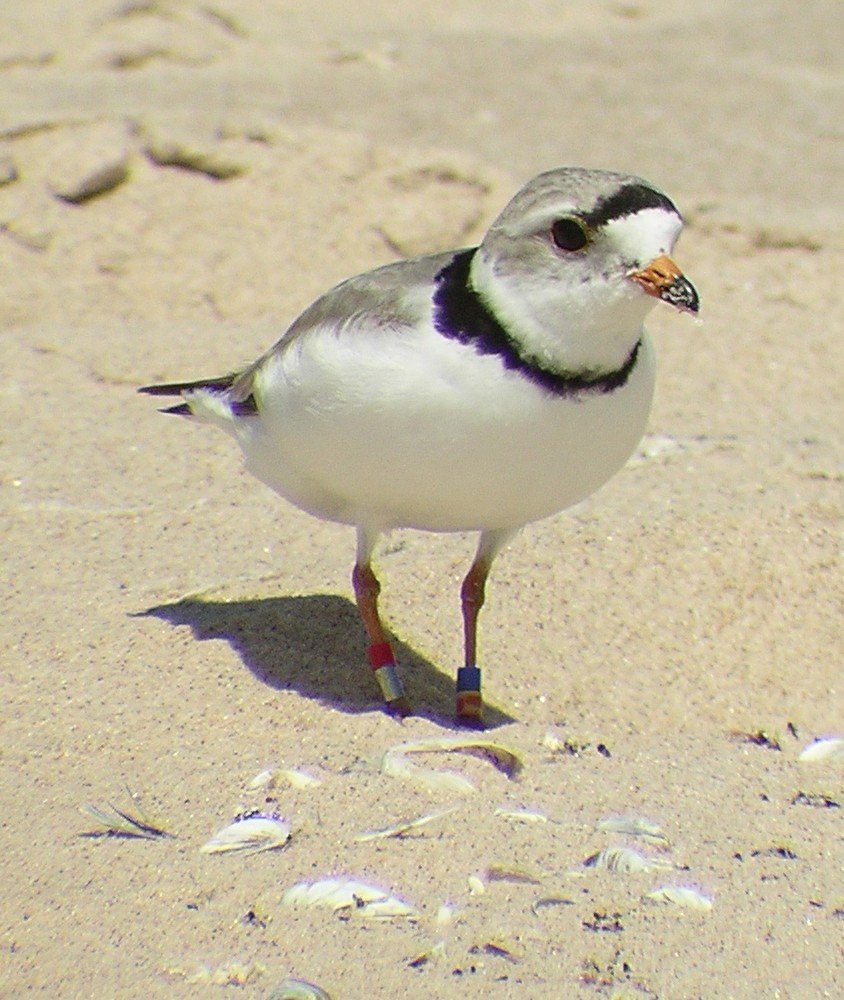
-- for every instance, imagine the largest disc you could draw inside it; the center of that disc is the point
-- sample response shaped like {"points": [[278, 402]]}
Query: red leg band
{"points": [[380, 655]]}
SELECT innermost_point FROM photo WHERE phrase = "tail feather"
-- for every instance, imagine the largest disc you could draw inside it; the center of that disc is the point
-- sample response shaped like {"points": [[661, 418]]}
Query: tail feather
{"points": [[180, 409], [209, 399], [177, 388]]}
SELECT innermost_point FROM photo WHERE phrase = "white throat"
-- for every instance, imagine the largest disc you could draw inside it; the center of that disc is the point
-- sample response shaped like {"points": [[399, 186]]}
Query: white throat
{"points": [[585, 328], [577, 312]]}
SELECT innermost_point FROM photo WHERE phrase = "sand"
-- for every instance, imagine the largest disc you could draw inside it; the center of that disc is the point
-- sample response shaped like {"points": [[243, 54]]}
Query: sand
{"points": [[177, 180]]}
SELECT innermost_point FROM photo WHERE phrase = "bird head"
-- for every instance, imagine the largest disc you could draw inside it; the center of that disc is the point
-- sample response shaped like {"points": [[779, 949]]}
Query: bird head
{"points": [[574, 263]]}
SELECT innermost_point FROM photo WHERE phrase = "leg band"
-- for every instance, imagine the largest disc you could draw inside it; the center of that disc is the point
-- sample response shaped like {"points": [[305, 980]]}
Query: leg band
{"points": [[383, 665], [380, 655], [469, 702]]}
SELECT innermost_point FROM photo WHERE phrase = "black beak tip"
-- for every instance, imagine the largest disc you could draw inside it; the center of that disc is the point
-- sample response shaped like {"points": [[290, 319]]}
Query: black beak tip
{"points": [[681, 294]]}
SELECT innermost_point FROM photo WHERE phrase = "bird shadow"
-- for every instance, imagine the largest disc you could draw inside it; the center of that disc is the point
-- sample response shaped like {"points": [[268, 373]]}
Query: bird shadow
{"points": [[314, 645]]}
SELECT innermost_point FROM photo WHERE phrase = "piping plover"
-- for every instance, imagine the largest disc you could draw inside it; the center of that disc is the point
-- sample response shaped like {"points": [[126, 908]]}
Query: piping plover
{"points": [[475, 390]]}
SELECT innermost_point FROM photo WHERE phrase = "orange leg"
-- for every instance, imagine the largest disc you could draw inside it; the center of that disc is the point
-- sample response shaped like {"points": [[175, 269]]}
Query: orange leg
{"points": [[380, 652], [469, 699], [472, 600]]}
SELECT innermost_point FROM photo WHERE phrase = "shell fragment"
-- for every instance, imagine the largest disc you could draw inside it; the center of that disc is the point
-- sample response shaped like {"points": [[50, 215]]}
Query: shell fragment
{"points": [[249, 835], [521, 815], [634, 826], [823, 749], [298, 989], [681, 895], [348, 894], [626, 861], [395, 761], [403, 826]]}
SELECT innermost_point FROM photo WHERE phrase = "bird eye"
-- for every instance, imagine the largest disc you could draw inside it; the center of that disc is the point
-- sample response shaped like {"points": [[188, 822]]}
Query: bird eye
{"points": [[569, 234]]}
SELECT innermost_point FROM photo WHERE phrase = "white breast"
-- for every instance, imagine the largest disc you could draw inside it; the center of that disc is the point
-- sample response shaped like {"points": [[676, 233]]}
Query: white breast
{"points": [[408, 428]]}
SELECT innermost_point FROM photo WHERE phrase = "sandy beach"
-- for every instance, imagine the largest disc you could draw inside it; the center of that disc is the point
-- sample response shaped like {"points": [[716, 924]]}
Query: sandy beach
{"points": [[178, 180]]}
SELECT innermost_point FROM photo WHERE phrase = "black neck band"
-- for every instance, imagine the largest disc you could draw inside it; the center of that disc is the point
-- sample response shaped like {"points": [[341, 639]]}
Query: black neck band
{"points": [[460, 313]]}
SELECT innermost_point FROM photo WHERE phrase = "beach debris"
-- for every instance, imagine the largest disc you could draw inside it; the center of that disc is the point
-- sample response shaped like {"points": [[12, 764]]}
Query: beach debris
{"points": [[396, 762], [249, 833], [777, 851], [625, 861], [232, 973], [396, 765], [298, 989], [758, 738], [298, 779], [404, 826], [497, 947], [477, 886], [545, 902], [521, 815], [634, 826], [563, 745], [262, 780], [254, 918], [520, 874], [569, 746], [506, 760], [817, 800], [122, 824], [823, 749], [603, 922], [348, 894], [270, 777], [681, 895], [436, 952]]}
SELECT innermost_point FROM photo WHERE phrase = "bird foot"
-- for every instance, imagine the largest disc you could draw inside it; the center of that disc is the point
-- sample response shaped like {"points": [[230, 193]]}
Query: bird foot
{"points": [[399, 707]]}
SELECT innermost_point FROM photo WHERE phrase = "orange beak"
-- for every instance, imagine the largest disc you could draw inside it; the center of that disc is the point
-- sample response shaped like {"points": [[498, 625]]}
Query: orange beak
{"points": [[664, 280]]}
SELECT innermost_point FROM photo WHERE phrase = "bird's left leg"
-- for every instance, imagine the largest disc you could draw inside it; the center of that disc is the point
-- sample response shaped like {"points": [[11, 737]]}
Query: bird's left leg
{"points": [[472, 593], [380, 652]]}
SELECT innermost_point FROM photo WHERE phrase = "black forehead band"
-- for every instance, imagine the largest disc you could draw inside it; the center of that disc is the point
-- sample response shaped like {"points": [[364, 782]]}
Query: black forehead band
{"points": [[627, 200]]}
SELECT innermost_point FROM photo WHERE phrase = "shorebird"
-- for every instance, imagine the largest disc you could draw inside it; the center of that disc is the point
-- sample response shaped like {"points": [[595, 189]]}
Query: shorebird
{"points": [[475, 390]]}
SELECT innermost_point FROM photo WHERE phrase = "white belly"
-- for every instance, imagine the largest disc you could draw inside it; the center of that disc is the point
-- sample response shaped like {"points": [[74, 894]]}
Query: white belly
{"points": [[388, 435]]}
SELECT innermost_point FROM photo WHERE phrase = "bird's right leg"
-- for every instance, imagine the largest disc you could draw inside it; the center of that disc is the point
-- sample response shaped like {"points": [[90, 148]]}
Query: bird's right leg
{"points": [[380, 652], [469, 700]]}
